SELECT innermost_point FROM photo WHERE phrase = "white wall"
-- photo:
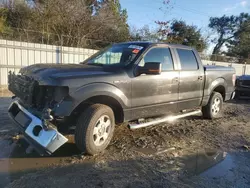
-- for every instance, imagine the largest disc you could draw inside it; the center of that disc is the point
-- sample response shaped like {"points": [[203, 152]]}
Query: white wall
{"points": [[14, 55]]}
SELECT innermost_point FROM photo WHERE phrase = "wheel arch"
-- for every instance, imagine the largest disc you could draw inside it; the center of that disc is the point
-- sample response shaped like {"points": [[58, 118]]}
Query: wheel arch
{"points": [[218, 85], [102, 93], [222, 90], [110, 101]]}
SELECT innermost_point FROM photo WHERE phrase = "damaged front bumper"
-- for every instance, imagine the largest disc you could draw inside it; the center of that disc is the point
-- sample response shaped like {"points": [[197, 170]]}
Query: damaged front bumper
{"points": [[44, 141]]}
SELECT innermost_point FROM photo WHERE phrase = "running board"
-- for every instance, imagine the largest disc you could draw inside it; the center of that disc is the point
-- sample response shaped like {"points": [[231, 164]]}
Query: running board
{"points": [[164, 119]]}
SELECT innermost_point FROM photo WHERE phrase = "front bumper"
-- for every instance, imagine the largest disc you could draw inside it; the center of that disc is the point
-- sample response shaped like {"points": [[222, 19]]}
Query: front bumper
{"points": [[242, 91], [44, 141]]}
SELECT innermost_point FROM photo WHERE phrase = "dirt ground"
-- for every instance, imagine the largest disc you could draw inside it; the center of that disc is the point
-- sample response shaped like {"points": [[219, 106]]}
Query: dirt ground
{"points": [[190, 152]]}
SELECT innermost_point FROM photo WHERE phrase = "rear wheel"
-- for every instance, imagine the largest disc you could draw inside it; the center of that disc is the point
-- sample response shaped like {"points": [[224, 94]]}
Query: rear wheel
{"points": [[94, 129], [214, 107]]}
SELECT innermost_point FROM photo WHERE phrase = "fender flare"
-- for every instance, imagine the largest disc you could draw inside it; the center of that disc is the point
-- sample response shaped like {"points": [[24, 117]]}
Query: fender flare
{"points": [[99, 89], [216, 83]]}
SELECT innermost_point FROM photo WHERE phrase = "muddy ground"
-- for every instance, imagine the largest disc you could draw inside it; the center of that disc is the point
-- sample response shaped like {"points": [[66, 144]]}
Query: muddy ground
{"points": [[191, 152]]}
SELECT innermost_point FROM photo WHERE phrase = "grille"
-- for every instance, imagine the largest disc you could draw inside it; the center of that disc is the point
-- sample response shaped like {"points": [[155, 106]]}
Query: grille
{"points": [[246, 83]]}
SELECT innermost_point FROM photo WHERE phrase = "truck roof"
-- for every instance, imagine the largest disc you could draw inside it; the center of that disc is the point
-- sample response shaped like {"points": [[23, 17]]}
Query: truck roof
{"points": [[148, 43]]}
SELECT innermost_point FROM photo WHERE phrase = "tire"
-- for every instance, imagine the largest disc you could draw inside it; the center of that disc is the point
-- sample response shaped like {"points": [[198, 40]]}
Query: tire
{"points": [[214, 107], [94, 129]]}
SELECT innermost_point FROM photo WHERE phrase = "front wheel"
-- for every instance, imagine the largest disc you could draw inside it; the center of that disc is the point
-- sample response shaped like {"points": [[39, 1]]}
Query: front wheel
{"points": [[214, 107], [94, 129]]}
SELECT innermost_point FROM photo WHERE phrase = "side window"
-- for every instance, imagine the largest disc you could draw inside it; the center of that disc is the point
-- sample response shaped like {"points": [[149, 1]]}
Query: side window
{"points": [[161, 55], [187, 59]]}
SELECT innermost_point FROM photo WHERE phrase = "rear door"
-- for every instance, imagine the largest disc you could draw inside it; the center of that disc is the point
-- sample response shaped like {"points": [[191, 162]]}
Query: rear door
{"points": [[191, 79]]}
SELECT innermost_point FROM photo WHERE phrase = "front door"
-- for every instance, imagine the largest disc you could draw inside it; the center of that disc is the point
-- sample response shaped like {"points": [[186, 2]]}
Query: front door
{"points": [[154, 95]]}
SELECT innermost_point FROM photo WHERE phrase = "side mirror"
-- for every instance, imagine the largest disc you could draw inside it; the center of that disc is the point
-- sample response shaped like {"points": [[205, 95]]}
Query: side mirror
{"points": [[152, 68]]}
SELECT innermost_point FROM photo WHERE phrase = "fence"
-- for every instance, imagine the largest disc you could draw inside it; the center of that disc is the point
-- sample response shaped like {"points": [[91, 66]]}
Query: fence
{"points": [[241, 69], [224, 59], [14, 55]]}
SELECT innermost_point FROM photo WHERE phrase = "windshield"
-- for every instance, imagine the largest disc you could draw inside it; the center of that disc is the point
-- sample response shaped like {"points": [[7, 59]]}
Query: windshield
{"points": [[117, 54]]}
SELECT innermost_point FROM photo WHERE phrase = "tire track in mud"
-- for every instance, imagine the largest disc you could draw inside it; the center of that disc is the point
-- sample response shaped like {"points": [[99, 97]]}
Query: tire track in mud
{"points": [[230, 132]]}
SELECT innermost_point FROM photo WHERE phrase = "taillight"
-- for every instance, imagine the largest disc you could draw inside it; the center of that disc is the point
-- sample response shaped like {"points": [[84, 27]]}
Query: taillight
{"points": [[234, 79]]}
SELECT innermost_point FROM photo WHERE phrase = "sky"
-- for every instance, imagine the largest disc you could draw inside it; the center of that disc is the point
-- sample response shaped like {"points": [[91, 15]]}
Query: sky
{"points": [[194, 12]]}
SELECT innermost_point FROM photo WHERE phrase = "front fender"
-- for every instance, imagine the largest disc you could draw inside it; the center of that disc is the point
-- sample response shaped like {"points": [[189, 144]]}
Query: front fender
{"points": [[98, 89]]}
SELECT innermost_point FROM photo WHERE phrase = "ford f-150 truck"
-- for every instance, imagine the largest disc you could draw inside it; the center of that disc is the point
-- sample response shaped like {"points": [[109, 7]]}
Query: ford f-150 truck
{"points": [[126, 82]]}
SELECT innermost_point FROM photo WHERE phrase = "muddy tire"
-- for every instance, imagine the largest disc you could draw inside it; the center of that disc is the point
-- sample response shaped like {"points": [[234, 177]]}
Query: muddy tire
{"points": [[214, 107], [94, 129]]}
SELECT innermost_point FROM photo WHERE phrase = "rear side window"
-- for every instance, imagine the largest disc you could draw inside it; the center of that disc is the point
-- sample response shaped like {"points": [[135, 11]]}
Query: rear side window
{"points": [[160, 55], [187, 59]]}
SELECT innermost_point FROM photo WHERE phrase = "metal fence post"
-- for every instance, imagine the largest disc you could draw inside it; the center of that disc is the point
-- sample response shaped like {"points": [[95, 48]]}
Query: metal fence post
{"points": [[57, 55], [61, 55], [245, 68], [61, 50]]}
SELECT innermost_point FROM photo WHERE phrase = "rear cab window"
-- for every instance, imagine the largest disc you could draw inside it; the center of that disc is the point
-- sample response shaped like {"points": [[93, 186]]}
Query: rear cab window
{"points": [[188, 59]]}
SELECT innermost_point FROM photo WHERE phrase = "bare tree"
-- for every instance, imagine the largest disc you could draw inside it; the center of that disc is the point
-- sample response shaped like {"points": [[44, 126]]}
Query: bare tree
{"points": [[71, 23]]}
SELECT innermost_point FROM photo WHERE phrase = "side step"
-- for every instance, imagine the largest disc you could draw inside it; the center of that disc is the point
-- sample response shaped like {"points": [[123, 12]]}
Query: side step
{"points": [[164, 119]]}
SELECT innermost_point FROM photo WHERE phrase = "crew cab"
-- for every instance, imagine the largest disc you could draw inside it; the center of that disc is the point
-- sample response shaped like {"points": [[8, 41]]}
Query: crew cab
{"points": [[124, 82]]}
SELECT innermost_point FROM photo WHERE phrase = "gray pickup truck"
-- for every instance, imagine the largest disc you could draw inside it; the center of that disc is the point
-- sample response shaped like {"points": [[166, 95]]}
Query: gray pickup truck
{"points": [[126, 82]]}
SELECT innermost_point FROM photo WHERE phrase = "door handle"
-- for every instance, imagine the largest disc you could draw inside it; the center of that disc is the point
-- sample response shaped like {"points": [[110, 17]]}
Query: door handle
{"points": [[200, 77]]}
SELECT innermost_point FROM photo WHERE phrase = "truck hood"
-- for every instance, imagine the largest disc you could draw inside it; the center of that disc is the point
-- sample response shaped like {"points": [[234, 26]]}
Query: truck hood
{"points": [[244, 77], [51, 74], [62, 70]]}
